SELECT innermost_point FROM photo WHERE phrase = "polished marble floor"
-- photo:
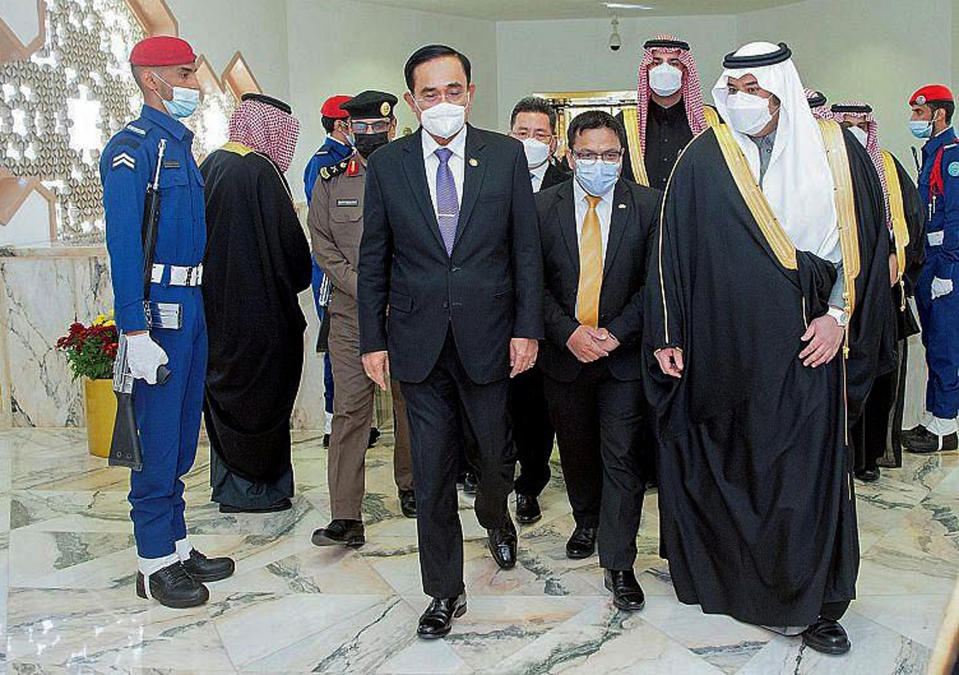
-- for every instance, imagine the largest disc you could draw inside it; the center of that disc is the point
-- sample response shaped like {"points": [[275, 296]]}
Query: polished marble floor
{"points": [[67, 602]]}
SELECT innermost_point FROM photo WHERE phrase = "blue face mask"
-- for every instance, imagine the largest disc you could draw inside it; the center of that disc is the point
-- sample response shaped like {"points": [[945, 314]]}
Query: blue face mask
{"points": [[921, 128], [598, 178], [185, 100]]}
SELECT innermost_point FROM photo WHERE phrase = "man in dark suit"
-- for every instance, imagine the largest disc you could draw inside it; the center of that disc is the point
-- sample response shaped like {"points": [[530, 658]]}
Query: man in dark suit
{"points": [[451, 247], [533, 121], [594, 231]]}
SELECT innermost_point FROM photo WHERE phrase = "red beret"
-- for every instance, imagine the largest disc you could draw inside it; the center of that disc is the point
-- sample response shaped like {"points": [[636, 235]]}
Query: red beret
{"points": [[331, 107], [929, 93], [162, 50]]}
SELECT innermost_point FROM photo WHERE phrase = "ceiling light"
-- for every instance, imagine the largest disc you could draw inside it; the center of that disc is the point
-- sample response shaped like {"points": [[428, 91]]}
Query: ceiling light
{"points": [[625, 5]]}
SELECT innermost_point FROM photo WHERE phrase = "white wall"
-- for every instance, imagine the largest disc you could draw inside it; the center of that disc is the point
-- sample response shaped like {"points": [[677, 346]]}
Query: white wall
{"points": [[876, 50], [339, 47], [220, 28], [572, 55]]}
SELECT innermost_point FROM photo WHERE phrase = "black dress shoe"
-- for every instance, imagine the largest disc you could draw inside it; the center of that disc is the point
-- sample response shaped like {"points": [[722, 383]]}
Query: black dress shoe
{"points": [[340, 532], [502, 544], [582, 543], [469, 483], [527, 509], [627, 593], [173, 587], [922, 441], [437, 620], [326, 440], [205, 569], [374, 437], [408, 503], [868, 475], [827, 636], [907, 435]]}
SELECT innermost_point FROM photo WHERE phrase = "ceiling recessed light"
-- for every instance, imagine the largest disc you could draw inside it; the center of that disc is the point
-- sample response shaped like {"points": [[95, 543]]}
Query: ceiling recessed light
{"points": [[625, 5]]}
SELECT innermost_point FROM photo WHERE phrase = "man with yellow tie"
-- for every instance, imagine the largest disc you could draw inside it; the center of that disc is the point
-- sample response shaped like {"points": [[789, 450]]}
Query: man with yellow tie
{"points": [[594, 230]]}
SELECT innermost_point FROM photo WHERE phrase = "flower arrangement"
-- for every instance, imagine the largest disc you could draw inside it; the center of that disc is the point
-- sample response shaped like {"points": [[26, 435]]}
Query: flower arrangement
{"points": [[91, 349]]}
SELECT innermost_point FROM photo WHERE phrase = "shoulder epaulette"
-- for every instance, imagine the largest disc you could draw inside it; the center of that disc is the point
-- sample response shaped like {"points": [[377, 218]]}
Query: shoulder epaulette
{"points": [[329, 172], [135, 129]]}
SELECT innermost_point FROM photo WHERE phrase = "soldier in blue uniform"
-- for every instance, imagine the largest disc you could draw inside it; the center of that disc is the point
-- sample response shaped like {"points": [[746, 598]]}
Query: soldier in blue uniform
{"points": [[169, 570], [936, 295], [336, 148]]}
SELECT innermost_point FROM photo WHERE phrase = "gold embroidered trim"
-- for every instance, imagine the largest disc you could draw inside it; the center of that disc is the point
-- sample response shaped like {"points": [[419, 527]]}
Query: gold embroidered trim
{"points": [[237, 148], [835, 146], [775, 235], [631, 122], [712, 117], [662, 221], [900, 228]]}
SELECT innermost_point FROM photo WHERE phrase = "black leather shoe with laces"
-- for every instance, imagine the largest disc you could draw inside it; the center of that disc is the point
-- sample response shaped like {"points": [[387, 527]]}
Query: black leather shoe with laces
{"points": [[340, 532], [205, 569], [437, 620], [173, 587]]}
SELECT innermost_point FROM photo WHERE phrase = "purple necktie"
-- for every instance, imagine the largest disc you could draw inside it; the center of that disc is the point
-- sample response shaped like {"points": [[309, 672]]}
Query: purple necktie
{"points": [[447, 204]]}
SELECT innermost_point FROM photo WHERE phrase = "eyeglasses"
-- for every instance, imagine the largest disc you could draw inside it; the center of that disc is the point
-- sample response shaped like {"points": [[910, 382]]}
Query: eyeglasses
{"points": [[455, 96], [589, 158], [541, 136], [371, 127]]}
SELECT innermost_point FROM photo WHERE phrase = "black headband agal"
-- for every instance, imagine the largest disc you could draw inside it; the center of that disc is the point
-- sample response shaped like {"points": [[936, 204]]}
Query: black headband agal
{"points": [[855, 109], [817, 99], [269, 100], [754, 61], [666, 44]]}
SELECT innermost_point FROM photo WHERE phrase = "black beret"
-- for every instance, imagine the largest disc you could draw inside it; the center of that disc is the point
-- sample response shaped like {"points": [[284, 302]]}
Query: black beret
{"points": [[369, 104]]}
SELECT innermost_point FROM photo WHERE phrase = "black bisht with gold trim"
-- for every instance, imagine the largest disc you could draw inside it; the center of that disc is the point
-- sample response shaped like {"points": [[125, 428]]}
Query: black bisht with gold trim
{"points": [[757, 509]]}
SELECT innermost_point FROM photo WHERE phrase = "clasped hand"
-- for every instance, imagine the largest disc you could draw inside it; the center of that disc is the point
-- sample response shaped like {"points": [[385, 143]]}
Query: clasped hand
{"points": [[590, 344]]}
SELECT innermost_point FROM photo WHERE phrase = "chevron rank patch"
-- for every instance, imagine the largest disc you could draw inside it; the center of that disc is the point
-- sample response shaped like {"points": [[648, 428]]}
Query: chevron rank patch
{"points": [[124, 159]]}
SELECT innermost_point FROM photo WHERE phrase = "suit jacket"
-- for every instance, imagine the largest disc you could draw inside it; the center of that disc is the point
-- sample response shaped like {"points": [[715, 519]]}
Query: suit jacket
{"points": [[635, 212], [554, 176], [488, 290]]}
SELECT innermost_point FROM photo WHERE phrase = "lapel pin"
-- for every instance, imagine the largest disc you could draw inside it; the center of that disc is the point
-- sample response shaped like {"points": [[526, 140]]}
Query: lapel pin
{"points": [[474, 161]]}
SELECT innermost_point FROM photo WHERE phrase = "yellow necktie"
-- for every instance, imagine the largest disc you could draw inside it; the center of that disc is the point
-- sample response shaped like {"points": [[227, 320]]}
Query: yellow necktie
{"points": [[590, 267]]}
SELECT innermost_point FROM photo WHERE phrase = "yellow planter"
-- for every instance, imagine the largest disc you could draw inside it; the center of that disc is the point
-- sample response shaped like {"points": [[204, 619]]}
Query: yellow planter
{"points": [[101, 410]]}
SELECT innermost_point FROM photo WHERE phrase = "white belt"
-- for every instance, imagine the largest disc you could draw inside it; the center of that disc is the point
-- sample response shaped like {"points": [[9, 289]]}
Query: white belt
{"points": [[936, 238], [179, 276]]}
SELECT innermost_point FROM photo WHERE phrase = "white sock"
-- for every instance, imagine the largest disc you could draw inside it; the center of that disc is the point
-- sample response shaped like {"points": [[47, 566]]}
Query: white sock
{"points": [[183, 548], [941, 427], [148, 566]]}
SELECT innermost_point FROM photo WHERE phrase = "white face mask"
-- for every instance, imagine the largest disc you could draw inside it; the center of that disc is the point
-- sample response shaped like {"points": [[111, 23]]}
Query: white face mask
{"points": [[748, 113], [537, 152], [665, 79], [861, 134], [444, 119]]}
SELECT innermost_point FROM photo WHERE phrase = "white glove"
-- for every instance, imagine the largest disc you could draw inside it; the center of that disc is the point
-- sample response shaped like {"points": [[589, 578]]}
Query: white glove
{"points": [[144, 357], [941, 287]]}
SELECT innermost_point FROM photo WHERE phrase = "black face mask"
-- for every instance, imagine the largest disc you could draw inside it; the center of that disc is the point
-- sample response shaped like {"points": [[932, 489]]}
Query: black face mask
{"points": [[367, 143]]}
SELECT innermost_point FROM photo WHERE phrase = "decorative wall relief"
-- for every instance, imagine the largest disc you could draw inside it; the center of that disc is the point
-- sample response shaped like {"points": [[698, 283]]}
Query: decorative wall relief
{"points": [[68, 90]]}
